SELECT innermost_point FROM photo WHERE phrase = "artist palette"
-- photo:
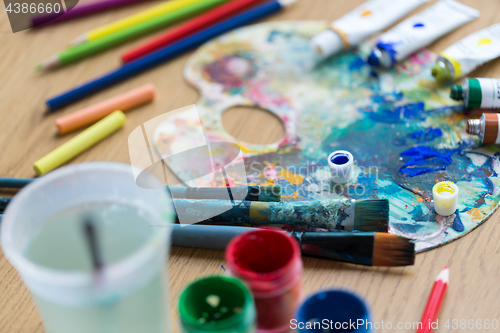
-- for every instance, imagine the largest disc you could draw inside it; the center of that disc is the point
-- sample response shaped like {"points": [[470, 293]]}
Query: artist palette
{"points": [[405, 133]]}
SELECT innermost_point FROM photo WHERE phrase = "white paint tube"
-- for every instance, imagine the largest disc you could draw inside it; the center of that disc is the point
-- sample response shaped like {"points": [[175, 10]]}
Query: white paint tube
{"points": [[419, 31], [467, 54], [369, 18]]}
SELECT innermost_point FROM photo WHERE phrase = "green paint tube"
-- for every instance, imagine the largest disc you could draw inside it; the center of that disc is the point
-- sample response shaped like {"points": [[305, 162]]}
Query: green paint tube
{"points": [[478, 93], [217, 304]]}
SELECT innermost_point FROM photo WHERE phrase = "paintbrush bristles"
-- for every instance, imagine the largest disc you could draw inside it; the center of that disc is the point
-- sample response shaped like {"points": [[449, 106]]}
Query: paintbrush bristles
{"points": [[371, 215], [391, 250]]}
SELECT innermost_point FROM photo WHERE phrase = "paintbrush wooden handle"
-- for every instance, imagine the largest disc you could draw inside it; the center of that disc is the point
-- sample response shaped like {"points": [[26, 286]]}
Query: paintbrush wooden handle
{"points": [[327, 214]]}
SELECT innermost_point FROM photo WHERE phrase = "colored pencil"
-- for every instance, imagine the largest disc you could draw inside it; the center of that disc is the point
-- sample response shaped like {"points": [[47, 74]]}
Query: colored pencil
{"points": [[136, 19], [80, 10], [15, 182], [96, 112], [435, 301], [163, 55], [362, 248], [247, 193], [340, 214], [94, 46], [188, 28]]}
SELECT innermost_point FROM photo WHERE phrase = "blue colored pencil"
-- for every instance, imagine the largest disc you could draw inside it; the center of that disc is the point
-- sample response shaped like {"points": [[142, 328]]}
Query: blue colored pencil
{"points": [[164, 54], [15, 182]]}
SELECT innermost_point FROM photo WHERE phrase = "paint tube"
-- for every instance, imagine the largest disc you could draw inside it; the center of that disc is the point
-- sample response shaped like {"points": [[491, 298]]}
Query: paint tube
{"points": [[467, 54], [478, 93], [486, 128], [369, 18], [418, 31]]}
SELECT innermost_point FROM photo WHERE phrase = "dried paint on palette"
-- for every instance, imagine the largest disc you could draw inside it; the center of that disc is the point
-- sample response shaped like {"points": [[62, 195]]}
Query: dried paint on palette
{"points": [[405, 133]]}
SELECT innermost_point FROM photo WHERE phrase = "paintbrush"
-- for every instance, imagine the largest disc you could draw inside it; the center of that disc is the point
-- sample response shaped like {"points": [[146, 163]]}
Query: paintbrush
{"points": [[15, 182], [340, 214], [4, 202], [93, 244], [362, 248], [247, 193]]}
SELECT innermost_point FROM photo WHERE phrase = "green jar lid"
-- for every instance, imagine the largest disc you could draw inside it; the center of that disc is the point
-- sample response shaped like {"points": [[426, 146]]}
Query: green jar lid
{"points": [[475, 94], [217, 304]]}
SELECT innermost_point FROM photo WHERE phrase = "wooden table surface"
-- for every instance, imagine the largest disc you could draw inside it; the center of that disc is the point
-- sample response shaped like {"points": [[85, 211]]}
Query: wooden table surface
{"points": [[26, 134]]}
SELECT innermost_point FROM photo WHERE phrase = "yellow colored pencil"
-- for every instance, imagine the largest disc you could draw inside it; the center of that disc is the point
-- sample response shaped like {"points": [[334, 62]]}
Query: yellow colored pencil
{"points": [[132, 20], [80, 143]]}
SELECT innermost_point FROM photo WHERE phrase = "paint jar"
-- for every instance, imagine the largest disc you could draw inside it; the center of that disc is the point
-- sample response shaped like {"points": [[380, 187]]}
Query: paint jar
{"points": [[341, 166], [269, 261], [43, 237], [445, 195], [333, 310], [217, 304]]}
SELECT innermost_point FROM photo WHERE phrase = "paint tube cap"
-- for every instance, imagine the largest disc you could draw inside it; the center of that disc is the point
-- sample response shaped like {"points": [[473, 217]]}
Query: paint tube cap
{"points": [[457, 92], [379, 58], [445, 196], [441, 73], [341, 166], [326, 43]]}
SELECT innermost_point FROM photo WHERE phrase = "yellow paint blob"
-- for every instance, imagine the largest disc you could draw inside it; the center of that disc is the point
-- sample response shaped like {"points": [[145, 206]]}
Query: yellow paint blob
{"points": [[475, 214], [484, 41], [366, 13], [291, 177]]}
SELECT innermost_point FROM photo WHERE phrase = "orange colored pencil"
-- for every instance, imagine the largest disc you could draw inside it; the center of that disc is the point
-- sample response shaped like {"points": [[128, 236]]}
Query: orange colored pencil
{"points": [[435, 300], [96, 112]]}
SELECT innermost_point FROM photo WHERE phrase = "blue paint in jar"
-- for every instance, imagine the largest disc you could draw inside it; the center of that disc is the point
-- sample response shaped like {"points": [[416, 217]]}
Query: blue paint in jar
{"points": [[340, 159]]}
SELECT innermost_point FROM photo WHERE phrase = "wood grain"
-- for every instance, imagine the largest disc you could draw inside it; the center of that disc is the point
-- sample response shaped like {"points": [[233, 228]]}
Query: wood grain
{"points": [[26, 134]]}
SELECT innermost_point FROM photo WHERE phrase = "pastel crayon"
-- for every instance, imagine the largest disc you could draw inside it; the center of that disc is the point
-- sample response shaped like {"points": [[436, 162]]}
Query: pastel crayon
{"points": [[94, 113], [80, 143]]}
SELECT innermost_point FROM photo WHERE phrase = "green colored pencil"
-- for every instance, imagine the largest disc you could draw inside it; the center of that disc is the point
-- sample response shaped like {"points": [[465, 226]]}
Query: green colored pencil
{"points": [[92, 47]]}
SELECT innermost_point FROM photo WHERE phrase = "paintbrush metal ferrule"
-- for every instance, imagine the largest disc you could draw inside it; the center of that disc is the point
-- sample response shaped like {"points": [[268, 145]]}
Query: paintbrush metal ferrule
{"points": [[350, 247], [340, 214], [238, 193]]}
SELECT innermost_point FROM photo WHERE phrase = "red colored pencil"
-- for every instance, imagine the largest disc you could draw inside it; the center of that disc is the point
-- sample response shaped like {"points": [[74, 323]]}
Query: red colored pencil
{"points": [[434, 302], [185, 29]]}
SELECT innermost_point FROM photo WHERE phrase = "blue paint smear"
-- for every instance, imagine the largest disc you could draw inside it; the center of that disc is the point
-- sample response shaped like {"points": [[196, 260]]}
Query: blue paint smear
{"points": [[423, 159], [277, 34], [425, 135], [457, 223], [387, 112], [418, 25], [389, 48], [407, 228], [356, 64]]}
